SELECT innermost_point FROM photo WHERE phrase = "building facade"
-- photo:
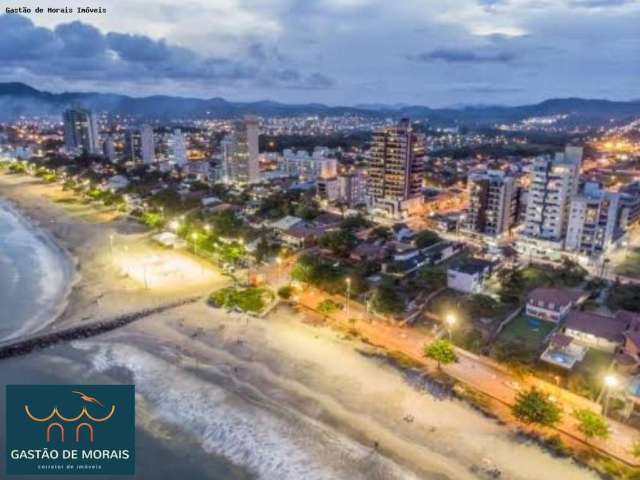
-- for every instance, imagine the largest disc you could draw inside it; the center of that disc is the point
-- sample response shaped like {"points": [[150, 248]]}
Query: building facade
{"points": [[241, 152], [80, 131], [493, 203], [594, 221], [395, 169], [177, 148], [553, 183], [139, 145]]}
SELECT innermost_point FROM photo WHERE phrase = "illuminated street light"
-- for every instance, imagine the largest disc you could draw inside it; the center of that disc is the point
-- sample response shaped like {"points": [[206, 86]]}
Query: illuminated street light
{"points": [[348, 280], [279, 262], [194, 238], [174, 225], [450, 321], [610, 382]]}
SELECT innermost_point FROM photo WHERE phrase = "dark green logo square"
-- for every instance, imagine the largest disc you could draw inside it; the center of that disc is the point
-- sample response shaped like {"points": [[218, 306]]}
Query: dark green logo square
{"points": [[70, 429]]}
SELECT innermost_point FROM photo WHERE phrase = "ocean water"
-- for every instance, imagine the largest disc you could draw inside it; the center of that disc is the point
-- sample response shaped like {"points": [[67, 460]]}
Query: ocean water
{"points": [[164, 454], [35, 276], [35, 279]]}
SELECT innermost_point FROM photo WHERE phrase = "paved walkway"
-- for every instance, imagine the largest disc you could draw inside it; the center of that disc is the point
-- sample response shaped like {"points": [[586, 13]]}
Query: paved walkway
{"points": [[481, 373]]}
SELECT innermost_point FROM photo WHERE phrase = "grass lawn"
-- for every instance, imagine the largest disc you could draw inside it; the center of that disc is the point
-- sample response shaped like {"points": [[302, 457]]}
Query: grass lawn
{"points": [[630, 267], [521, 332]]}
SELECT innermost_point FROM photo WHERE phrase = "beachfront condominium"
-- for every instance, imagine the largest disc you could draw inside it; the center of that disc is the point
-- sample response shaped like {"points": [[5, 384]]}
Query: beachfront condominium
{"points": [[594, 221], [139, 145], [80, 131], [240, 152], [493, 203], [395, 170], [553, 182]]}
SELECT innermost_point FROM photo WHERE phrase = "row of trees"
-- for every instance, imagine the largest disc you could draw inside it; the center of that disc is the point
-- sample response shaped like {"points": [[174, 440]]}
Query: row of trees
{"points": [[533, 407]]}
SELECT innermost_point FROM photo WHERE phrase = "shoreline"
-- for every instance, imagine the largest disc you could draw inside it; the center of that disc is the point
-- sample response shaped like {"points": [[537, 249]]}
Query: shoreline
{"points": [[71, 275], [278, 368]]}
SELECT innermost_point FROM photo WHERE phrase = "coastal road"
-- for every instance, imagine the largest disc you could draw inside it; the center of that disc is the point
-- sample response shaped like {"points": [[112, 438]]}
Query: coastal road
{"points": [[478, 372]]}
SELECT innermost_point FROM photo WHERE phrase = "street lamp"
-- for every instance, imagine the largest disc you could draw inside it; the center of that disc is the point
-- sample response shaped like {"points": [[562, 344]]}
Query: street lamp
{"points": [[451, 321], [207, 228], [194, 238], [279, 262], [348, 280], [610, 382]]}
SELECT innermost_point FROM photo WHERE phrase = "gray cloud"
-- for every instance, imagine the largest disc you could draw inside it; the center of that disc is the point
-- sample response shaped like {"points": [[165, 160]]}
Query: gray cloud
{"points": [[600, 3], [78, 51], [336, 51], [450, 55]]}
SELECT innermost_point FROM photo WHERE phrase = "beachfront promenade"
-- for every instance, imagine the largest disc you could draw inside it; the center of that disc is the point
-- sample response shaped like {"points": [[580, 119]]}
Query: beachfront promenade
{"points": [[480, 373]]}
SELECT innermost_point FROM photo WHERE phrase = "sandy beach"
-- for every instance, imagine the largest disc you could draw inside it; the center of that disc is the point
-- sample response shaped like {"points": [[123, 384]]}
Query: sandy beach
{"points": [[278, 396]]}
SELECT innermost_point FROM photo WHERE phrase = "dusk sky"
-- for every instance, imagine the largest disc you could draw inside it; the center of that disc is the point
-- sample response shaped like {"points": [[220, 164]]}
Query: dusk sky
{"points": [[435, 53]]}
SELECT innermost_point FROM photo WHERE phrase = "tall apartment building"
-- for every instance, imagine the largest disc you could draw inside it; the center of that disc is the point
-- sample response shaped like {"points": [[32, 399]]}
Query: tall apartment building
{"points": [[139, 145], [353, 188], [395, 169], [594, 221], [327, 184], [108, 149], [241, 154], [177, 148], [80, 131], [493, 202], [552, 184]]}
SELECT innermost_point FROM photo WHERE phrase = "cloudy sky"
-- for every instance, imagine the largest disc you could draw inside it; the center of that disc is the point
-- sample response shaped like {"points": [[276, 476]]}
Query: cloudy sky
{"points": [[429, 52]]}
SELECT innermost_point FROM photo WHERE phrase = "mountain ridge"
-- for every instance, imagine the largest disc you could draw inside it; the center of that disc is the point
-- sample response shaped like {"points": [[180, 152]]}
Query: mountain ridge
{"points": [[19, 99]]}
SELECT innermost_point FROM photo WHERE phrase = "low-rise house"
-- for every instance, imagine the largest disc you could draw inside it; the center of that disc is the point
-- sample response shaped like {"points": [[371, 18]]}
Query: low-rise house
{"points": [[402, 232], [208, 202], [469, 274], [369, 252], [631, 346], [441, 251], [327, 220], [595, 331], [301, 235], [552, 304], [285, 223], [117, 182]]}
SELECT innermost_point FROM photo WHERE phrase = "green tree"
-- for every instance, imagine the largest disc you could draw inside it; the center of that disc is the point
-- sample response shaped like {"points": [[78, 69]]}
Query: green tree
{"points": [[304, 270], [285, 292], [354, 223], [591, 424], [431, 278], [262, 249], [328, 306], [512, 285], [340, 242], [426, 238], [479, 305], [442, 351], [534, 406], [248, 299], [387, 300], [635, 448], [571, 273]]}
